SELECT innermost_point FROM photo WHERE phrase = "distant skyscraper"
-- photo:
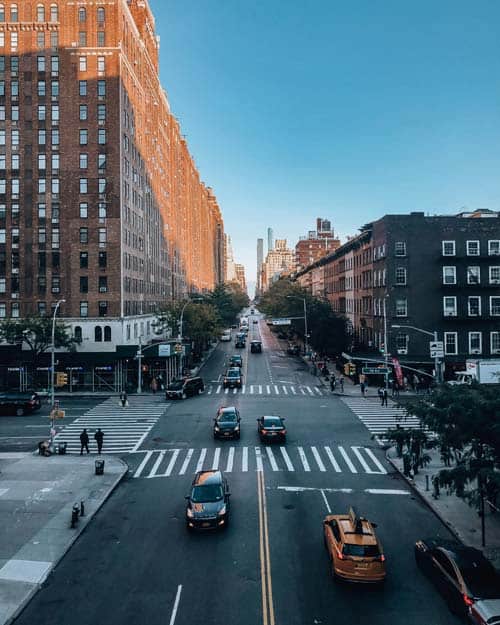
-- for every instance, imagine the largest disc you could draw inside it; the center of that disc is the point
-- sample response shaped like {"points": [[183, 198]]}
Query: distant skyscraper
{"points": [[260, 260], [270, 242]]}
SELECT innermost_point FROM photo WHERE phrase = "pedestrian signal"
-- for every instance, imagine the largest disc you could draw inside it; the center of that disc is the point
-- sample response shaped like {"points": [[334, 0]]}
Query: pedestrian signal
{"points": [[61, 379]]}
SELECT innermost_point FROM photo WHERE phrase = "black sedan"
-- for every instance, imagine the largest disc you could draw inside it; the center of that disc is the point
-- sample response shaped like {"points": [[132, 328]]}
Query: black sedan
{"points": [[236, 361], [227, 423], [233, 378], [208, 502], [465, 578], [271, 428]]}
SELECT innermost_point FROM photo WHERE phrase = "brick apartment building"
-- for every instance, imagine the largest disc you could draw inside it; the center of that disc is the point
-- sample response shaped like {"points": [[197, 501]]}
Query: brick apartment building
{"points": [[316, 244], [101, 203], [436, 273]]}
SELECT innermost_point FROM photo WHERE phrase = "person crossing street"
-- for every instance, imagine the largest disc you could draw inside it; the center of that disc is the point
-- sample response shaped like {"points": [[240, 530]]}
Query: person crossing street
{"points": [[84, 442], [99, 438]]}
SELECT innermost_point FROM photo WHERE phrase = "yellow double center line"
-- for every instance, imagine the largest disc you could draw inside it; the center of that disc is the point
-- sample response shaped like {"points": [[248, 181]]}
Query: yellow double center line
{"points": [[265, 558]]}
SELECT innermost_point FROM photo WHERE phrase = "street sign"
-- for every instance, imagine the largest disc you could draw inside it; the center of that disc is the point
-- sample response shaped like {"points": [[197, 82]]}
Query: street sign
{"points": [[282, 322], [165, 350], [375, 370], [436, 349]]}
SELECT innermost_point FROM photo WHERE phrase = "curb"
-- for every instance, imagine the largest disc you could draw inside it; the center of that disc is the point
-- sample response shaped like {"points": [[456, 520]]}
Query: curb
{"points": [[424, 499], [74, 538]]}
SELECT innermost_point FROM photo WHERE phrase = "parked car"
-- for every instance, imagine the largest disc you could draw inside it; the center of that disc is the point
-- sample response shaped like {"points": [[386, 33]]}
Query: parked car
{"points": [[271, 428], [354, 550], [227, 423], [208, 502], [233, 378], [226, 335], [465, 578], [256, 347], [19, 402], [236, 361], [184, 387]]}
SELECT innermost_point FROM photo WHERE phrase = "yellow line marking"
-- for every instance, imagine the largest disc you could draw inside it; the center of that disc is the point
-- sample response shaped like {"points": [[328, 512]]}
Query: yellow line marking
{"points": [[261, 550], [265, 556]]}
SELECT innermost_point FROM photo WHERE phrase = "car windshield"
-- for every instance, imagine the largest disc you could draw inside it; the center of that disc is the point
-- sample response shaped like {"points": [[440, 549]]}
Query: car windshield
{"points": [[363, 551], [207, 493], [233, 374], [227, 417], [175, 385], [272, 422], [482, 580]]}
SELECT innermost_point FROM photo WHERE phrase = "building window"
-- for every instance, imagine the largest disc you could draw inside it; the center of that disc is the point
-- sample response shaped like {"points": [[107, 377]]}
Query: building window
{"points": [[82, 38], [42, 113], [495, 342], [83, 112], [82, 87], [101, 112], [103, 309], [54, 39], [41, 88], [84, 235], [42, 211], [107, 334], [54, 65], [55, 186], [450, 343], [3, 186], [42, 285], [102, 185], [401, 342], [14, 113], [42, 185], [56, 256], [14, 310], [103, 284], [475, 343], [473, 275], [494, 274], [14, 135], [84, 309], [84, 185], [101, 88], [82, 15], [101, 64], [450, 306], [55, 137], [55, 162], [400, 248], [84, 284], [449, 275], [101, 136], [2, 13], [102, 237], [101, 161], [448, 248], [55, 240], [84, 136], [54, 13], [84, 260], [84, 210], [103, 260], [474, 306], [77, 334], [3, 311], [14, 161], [101, 15], [42, 137], [401, 307], [400, 276], [495, 306], [56, 284], [101, 39], [82, 63], [40, 13], [98, 334], [40, 39], [84, 161], [473, 248], [3, 283], [494, 248], [2, 235]]}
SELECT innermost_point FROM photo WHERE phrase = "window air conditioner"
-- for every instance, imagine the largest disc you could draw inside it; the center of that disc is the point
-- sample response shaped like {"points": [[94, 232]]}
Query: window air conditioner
{"points": [[475, 351], [403, 351]]}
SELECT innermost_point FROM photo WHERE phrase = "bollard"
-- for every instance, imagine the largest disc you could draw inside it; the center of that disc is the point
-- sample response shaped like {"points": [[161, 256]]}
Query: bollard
{"points": [[74, 515], [82, 509], [426, 482]]}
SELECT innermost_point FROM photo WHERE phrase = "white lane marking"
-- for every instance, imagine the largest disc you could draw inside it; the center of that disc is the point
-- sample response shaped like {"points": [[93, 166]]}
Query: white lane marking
{"points": [[303, 458], [172, 462], [309, 390], [258, 459], [302, 391], [251, 389], [331, 457], [300, 489], [317, 389], [153, 471], [292, 388], [243, 389], [140, 441], [347, 460], [268, 389], [287, 460], [270, 455], [317, 457], [326, 501], [215, 463], [209, 392], [176, 604], [260, 389], [244, 460], [234, 391], [375, 461], [276, 389], [201, 459], [362, 461], [284, 390], [226, 391], [186, 461], [143, 464], [386, 491], [3, 491], [218, 389], [230, 460]]}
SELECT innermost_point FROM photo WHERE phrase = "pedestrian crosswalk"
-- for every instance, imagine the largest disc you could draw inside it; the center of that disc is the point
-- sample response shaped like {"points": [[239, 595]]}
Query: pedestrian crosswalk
{"points": [[378, 419], [285, 390], [320, 458], [124, 428]]}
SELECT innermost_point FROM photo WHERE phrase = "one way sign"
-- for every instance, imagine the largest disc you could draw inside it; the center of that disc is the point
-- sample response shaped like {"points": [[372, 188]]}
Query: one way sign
{"points": [[436, 349]]}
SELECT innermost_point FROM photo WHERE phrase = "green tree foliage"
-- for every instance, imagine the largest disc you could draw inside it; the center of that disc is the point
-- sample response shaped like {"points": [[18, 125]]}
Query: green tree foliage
{"points": [[327, 330], [228, 299], [36, 333]]}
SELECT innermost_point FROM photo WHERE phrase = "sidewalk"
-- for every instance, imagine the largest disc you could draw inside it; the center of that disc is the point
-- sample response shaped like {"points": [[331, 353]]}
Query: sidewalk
{"points": [[36, 498]]}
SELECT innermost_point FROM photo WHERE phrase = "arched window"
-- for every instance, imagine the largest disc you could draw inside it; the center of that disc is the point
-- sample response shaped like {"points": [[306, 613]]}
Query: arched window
{"points": [[54, 13], [82, 15], [107, 334], [101, 15], [14, 13], [2, 13], [98, 334], [40, 13], [78, 333]]}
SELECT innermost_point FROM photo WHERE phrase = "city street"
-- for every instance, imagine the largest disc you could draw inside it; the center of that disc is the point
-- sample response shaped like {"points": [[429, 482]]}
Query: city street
{"points": [[137, 563]]}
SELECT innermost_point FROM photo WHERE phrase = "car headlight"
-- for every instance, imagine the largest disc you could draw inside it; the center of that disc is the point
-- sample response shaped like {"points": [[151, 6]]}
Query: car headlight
{"points": [[222, 511], [236, 427], [189, 513], [216, 428]]}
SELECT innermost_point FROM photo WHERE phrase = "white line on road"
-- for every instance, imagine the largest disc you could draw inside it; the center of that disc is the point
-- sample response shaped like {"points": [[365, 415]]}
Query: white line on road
{"points": [[215, 463], [172, 462], [226, 391], [3, 491], [303, 458], [386, 491], [244, 460], [362, 461], [243, 388], [276, 389], [161, 455], [300, 489], [284, 390], [143, 463], [331, 457], [251, 389], [372, 456], [272, 460], [317, 457], [347, 460], [176, 604], [326, 501], [302, 391], [287, 460], [201, 459], [258, 459], [260, 389], [186, 461], [230, 460], [218, 389], [292, 388], [268, 389]]}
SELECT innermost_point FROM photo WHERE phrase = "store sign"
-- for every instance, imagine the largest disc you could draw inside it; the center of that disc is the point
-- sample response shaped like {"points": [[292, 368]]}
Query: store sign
{"points": [[165, 350]]}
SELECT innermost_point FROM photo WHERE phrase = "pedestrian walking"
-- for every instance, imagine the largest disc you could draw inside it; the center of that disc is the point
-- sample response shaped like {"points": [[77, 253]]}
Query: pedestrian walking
{"points": [[384, 397], [362, 388], [341, 382], [154, 386], [84, 441], [123, 399], [333, 382], [99, 438]]}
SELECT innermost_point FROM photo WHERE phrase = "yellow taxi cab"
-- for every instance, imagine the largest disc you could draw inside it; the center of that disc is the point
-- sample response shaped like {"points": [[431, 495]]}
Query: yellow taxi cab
{"points": [[355, 552]]}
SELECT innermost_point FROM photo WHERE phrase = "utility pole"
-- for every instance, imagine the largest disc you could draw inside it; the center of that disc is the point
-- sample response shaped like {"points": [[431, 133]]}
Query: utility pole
{"points": [[385, 345], [139, 367]]}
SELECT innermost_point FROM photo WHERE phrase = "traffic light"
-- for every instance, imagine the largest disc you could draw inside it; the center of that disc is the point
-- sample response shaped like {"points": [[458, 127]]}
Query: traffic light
{"points": [[61, 379], [382, 348], [352, 368]]}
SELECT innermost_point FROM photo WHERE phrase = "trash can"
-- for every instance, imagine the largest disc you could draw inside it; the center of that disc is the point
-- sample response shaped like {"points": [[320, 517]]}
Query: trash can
{"points": [[99, 467], [61, 448]]}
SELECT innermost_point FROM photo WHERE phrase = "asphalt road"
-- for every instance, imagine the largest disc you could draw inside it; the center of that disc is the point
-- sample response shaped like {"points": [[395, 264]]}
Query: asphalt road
{"points": [[137, 563]]}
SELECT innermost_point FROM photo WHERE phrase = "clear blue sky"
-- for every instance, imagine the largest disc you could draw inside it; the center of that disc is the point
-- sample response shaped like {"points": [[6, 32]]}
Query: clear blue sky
{"points": [[297, 109]]}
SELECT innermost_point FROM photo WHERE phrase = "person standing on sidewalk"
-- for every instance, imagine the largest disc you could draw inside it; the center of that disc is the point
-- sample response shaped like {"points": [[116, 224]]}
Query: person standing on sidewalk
{"points": [[384, 397], [341, 382], [99, 438], [333, 382], [84, 442]]}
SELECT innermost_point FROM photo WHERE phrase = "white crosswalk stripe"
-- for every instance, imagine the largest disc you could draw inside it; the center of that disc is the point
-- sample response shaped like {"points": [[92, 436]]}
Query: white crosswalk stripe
{"points": [[378, 419], [124, 428], [268, 389], [171, 462]]}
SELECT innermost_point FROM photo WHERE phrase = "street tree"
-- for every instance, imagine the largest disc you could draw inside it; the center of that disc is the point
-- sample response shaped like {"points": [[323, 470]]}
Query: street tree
{"points": [[228, 299]]}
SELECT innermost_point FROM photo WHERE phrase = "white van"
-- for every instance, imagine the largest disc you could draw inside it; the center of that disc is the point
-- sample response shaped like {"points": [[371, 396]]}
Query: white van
{"points": [[226, 335]]}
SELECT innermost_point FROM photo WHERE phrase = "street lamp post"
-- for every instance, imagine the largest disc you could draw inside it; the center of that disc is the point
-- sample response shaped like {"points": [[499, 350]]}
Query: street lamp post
{"points": [[52, 366], [306, 345], [437, 367], [181, 322]]}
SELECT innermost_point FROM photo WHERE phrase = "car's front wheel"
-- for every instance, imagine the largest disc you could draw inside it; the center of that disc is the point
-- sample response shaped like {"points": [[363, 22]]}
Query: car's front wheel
{"points": [[19, 412], [184, 395]]}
